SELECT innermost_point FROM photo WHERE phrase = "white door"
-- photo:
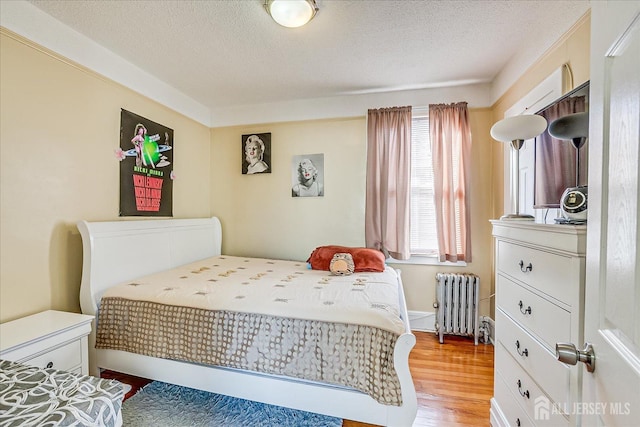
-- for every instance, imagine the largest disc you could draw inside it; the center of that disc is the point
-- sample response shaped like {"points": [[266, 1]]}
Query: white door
{"points": [[611, 394]]}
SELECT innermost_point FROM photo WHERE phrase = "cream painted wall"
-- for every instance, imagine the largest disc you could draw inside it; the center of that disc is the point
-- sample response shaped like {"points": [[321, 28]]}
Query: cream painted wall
{"points": [[59, 127], [260, 218]]}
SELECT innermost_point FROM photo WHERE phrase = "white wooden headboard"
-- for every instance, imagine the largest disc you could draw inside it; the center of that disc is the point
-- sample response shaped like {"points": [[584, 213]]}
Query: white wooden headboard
{"points": [[117, 251]]}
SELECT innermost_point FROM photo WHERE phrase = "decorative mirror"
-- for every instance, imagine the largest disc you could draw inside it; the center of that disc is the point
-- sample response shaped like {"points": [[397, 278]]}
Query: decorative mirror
{"points": [[555, 159]]}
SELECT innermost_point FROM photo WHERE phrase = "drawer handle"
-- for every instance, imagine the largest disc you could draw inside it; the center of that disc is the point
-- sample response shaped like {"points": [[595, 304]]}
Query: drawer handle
{"points": [[523, 394], [526, 310], [49, 365], [524, 269], [523, 353]]}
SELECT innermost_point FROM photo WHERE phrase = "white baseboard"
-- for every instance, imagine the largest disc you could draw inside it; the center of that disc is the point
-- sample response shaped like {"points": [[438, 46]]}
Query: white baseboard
{"points": [[422, 321], [425, 321]]}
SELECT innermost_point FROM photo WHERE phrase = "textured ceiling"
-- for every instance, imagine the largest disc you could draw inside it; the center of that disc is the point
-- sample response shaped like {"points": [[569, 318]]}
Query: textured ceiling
{"points": [[228, 53]]}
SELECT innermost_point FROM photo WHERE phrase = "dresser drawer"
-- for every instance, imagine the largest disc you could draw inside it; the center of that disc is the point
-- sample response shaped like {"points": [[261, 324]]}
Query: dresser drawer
{"points": [[547, 321], [552, 376], [526, 392], [515, 415], [63, 358], [555, 275]]}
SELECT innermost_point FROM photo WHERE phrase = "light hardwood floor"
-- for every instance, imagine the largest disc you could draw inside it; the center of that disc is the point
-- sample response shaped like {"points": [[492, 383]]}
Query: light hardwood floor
{"points": [[453, 380]]}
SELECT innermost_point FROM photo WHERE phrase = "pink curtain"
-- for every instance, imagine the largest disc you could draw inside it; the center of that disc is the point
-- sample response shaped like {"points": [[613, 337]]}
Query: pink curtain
{"points": [[387, 215], [451, 142]]}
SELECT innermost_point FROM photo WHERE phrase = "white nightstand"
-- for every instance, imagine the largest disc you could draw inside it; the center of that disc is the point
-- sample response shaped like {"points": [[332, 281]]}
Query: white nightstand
{"points": [[51, 339]]}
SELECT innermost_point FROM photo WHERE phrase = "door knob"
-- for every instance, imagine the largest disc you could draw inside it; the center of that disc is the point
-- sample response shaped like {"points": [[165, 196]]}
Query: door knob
{"points": [[567, 353]]}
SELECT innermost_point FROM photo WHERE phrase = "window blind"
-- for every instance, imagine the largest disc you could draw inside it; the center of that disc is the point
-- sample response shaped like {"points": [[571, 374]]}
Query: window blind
{"points": [[424, 240]]}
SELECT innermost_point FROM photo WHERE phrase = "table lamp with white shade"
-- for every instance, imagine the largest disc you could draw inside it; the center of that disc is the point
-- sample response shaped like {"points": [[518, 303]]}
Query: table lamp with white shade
{"points": [[516, 130]]}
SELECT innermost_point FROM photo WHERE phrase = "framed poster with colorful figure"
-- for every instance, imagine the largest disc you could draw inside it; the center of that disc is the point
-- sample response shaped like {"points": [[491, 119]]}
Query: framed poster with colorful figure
{"points": [[146, 167]]}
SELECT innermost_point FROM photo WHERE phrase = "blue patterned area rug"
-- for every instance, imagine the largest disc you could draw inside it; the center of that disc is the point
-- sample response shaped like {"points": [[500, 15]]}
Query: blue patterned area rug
{"points": [[166, 405]]}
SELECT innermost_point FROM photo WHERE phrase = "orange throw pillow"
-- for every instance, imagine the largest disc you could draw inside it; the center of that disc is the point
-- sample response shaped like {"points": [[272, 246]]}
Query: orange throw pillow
{"points": [[365, 259]]}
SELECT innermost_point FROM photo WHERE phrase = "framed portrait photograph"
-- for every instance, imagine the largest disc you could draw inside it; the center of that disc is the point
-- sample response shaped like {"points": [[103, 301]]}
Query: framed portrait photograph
{"points": [[307, 175], [256, 153]]}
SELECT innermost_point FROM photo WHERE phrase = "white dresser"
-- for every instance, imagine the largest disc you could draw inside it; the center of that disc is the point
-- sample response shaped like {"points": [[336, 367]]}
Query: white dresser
{"points": [[539, 302], [50, 339]]}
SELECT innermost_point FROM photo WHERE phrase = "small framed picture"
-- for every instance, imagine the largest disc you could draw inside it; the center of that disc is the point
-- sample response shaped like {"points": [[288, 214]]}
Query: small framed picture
{"points": [[307, 175], [256, 153]]}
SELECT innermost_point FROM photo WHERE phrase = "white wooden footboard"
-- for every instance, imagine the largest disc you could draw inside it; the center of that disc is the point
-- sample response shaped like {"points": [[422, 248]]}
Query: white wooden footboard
{"points": [[277, 390], [122, 250]]}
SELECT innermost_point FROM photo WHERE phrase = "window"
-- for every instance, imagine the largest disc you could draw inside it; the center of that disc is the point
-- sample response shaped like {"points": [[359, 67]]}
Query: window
{"points": [[423, 228], [424, 239]]}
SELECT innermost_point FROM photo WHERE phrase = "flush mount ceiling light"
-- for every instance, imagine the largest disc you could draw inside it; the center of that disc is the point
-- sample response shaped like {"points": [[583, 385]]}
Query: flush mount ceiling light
{"points": [[291, 13]]}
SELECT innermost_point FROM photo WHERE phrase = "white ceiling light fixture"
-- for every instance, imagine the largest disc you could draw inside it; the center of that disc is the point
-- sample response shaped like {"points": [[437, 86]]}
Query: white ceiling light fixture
{"points": [[291, 13]]}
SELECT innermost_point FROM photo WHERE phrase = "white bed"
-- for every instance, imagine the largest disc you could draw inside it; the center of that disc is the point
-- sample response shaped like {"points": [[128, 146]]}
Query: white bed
{"points": [[119, 251]]}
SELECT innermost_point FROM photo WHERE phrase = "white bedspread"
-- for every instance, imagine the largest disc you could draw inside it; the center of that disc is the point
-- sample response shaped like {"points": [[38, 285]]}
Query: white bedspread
{"points": [[275, 288]]}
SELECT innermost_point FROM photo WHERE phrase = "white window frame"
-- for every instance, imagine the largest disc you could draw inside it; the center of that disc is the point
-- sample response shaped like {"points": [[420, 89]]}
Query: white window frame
{"points": [[423, 258]]}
